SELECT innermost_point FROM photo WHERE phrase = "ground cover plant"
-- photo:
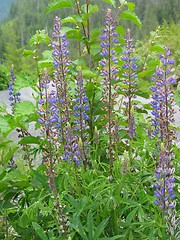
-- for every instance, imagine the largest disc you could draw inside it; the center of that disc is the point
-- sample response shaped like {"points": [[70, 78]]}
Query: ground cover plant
{"points": [[103, 165]]}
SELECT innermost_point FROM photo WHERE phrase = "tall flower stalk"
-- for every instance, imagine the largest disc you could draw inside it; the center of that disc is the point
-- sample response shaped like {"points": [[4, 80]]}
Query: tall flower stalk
{"points": [[81, 117], [162, 117], [130, 85], [61, 63], [13, 97], [129, 81], [109, 75], [50, 126]]}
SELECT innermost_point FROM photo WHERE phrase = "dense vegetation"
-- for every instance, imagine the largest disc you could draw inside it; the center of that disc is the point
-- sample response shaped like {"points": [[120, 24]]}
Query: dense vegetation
{"points": [[100, 164]]}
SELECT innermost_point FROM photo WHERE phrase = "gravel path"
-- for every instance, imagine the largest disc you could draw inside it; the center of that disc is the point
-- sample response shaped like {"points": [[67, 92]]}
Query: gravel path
{"points": [[26, 94]]}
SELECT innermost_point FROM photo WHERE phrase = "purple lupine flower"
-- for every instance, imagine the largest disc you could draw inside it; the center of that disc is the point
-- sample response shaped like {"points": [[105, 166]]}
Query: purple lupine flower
{"points": [[61, 63], [109, 75], [48, 110], [164, 187], [72, 151], [162, 99], [81, 117], [129, 81], [109, 38], [13, 97], [162, 116]]}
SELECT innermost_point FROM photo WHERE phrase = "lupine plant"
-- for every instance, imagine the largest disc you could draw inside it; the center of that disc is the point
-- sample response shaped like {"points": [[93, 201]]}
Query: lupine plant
{"points": [[79, 184]]}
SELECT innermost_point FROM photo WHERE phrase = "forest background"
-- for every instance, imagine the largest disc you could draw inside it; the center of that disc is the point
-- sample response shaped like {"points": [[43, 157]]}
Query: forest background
{"points": [[20, 19]]}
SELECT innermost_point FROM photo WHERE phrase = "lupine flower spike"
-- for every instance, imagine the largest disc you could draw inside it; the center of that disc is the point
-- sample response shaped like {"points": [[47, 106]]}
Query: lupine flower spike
{"points": [[129, 80], [162, 117], [61, 63], [162, 100], [50, 121], [109, 75], [13, 97]]}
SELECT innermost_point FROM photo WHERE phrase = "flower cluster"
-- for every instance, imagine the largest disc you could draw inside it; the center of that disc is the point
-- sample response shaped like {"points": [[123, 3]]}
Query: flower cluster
{"points": [[109, 76], [109, 60], [162, 99], [130, 66], [13, 97], [129, 81], [162, 116], [61, 63], [48, 111], [165, 182], [72, 151], [76, 136]]}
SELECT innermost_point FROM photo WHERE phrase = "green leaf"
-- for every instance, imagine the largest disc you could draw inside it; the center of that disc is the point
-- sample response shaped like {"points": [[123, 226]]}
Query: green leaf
{"points": [[90, 225], [8, 155], [39, 230], [73, 33], [29, 140], [121, 30], [112, 2], [77, 225], [132, 17], [59, 4], [91, 89], [24, 108], [68, 20], [113, 238], [5, 128], [131, 215], [88, 73], [157, 48], [100, 228], [130, 5], [23, 81], [28, 53], [40, 37]]}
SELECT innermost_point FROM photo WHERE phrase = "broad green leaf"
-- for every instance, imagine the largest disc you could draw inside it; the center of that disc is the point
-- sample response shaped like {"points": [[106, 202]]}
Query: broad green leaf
{"points": [[157, 48], [23, 81], [28, 53], [121, 30], [24, 108], [100, 228], [39, 230], [5, 127], [29, 140], [146, 73], [91, 89], [129, 15], [69, 20], [59, 4], [88, 73], [130, 5], [74, 34], [112, 2]]}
